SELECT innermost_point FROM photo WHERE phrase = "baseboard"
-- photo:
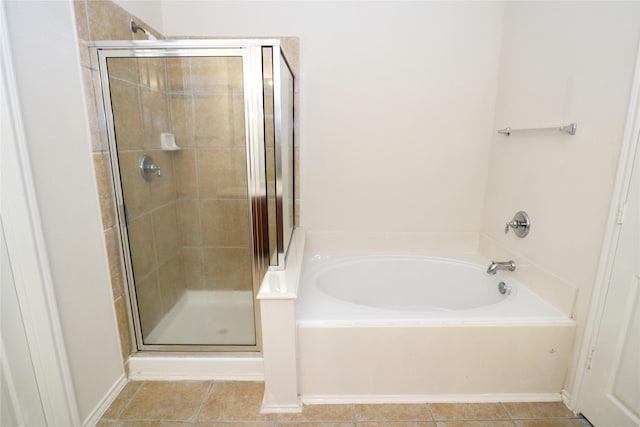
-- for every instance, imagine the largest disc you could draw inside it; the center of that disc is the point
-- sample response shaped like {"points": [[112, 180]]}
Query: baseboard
{"points": [[106, 401], [281, 409], [432, 398], [566, 399], [174, 368]]}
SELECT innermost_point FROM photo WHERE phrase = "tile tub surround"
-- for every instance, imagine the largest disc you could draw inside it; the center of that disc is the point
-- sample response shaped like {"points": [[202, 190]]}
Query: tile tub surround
{"points": [[213, 403]]}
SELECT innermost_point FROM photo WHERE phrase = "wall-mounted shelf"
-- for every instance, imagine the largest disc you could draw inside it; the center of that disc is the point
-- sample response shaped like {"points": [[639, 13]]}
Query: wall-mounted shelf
{"points": [[570, 129]]}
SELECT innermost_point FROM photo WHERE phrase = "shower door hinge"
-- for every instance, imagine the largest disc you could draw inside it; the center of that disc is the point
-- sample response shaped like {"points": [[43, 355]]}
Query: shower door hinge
{"points": [[621, 211]]}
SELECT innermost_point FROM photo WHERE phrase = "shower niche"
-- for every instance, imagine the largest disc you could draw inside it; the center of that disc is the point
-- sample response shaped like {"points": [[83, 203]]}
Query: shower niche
{"points": [[201, 137]]}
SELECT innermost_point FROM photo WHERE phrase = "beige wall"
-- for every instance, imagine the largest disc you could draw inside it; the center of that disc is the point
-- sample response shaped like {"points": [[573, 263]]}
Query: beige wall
{"points": [[396, 104], [561, 62]]}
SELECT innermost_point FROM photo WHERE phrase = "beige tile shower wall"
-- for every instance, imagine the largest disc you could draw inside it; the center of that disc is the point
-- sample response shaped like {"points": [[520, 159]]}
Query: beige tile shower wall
{"points": [[207, 115], [132, 86], [141, 114]]}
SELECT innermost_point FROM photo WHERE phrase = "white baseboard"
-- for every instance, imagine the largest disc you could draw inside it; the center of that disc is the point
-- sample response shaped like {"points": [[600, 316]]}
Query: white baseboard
{"points": [[432, 398], [566, 399], [106, 401], [174, 368], [281, 409]]}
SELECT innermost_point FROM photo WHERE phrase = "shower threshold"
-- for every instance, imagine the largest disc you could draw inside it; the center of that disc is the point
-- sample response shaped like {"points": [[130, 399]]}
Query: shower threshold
{"points": [[207, 318]]}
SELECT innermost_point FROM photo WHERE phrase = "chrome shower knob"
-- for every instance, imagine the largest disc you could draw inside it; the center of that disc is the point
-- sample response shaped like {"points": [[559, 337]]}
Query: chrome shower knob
{"points": [[520, 224], [148, 169]]}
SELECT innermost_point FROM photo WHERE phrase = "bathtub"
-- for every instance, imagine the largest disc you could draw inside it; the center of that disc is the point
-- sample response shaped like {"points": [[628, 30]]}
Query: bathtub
{"points": [[411, 328]]}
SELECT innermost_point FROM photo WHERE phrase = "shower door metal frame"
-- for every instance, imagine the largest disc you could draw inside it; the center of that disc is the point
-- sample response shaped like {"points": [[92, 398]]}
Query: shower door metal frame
{"points": [[282, 244], [250, 51]]}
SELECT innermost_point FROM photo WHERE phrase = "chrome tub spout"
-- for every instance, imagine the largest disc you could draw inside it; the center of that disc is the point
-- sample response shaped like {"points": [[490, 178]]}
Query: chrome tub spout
{"points": [[506, 265]]}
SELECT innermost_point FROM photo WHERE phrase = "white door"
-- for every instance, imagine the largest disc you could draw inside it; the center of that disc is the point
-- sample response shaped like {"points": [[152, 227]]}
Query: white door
{"points": [[611, 390], [20, 400]]}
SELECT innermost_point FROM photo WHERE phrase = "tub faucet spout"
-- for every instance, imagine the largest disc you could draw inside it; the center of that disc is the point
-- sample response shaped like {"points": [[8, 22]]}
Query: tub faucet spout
{"points": [[506, 265]]}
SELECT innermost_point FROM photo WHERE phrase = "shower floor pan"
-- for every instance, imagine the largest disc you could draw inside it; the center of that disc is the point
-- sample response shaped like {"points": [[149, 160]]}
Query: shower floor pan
{"points": [[208, 318]]}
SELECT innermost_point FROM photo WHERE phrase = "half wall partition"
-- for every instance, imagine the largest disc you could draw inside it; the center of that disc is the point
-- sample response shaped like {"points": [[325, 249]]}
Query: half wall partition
{"points": [[201, 145]]}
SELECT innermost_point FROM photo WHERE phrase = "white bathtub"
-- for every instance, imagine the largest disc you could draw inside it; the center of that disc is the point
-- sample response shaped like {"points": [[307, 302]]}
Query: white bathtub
{"points": [[344, 289], [392, 327]]}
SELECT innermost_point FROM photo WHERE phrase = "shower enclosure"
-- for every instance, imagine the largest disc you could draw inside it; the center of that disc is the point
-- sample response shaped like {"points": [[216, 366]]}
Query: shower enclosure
{"points": [[201, 144]]}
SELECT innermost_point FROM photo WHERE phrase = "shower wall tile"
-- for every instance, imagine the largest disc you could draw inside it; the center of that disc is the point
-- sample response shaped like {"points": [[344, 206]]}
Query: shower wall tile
{"points": [[186, 176], [291, 48], [155, 117], [238, 138], [271, 216], [166, 234], [193, 268], [177, 74], [182, 119], [163, 187], [222, 173], [142, 247], [227, 268], [122, 317], [91, 104], [99, 139], [137, 195], [112, 238], [149, 301], [213, 119], [124, 69], [189, 222], [105, 189], [152, 74], [296, 170], [85, 58], [108, 21], [172, 285], [225, 223], [271, 166], [234, 73], [126, 114], [82, 26], [210, 74]]}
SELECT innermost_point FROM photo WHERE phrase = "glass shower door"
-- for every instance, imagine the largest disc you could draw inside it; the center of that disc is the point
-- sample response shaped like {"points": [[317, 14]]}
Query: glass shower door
{"points": [[180, 147]]}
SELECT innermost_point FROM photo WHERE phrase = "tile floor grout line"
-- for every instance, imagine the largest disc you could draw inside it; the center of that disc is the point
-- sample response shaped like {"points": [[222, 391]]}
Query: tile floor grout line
{"points": [[128, 402], [430, 412], [207, 394], [546, 418], [506, 411]]}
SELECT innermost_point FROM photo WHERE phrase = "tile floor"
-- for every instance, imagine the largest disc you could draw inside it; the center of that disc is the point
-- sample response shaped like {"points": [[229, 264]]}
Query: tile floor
{"points": [[230, 404]]}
